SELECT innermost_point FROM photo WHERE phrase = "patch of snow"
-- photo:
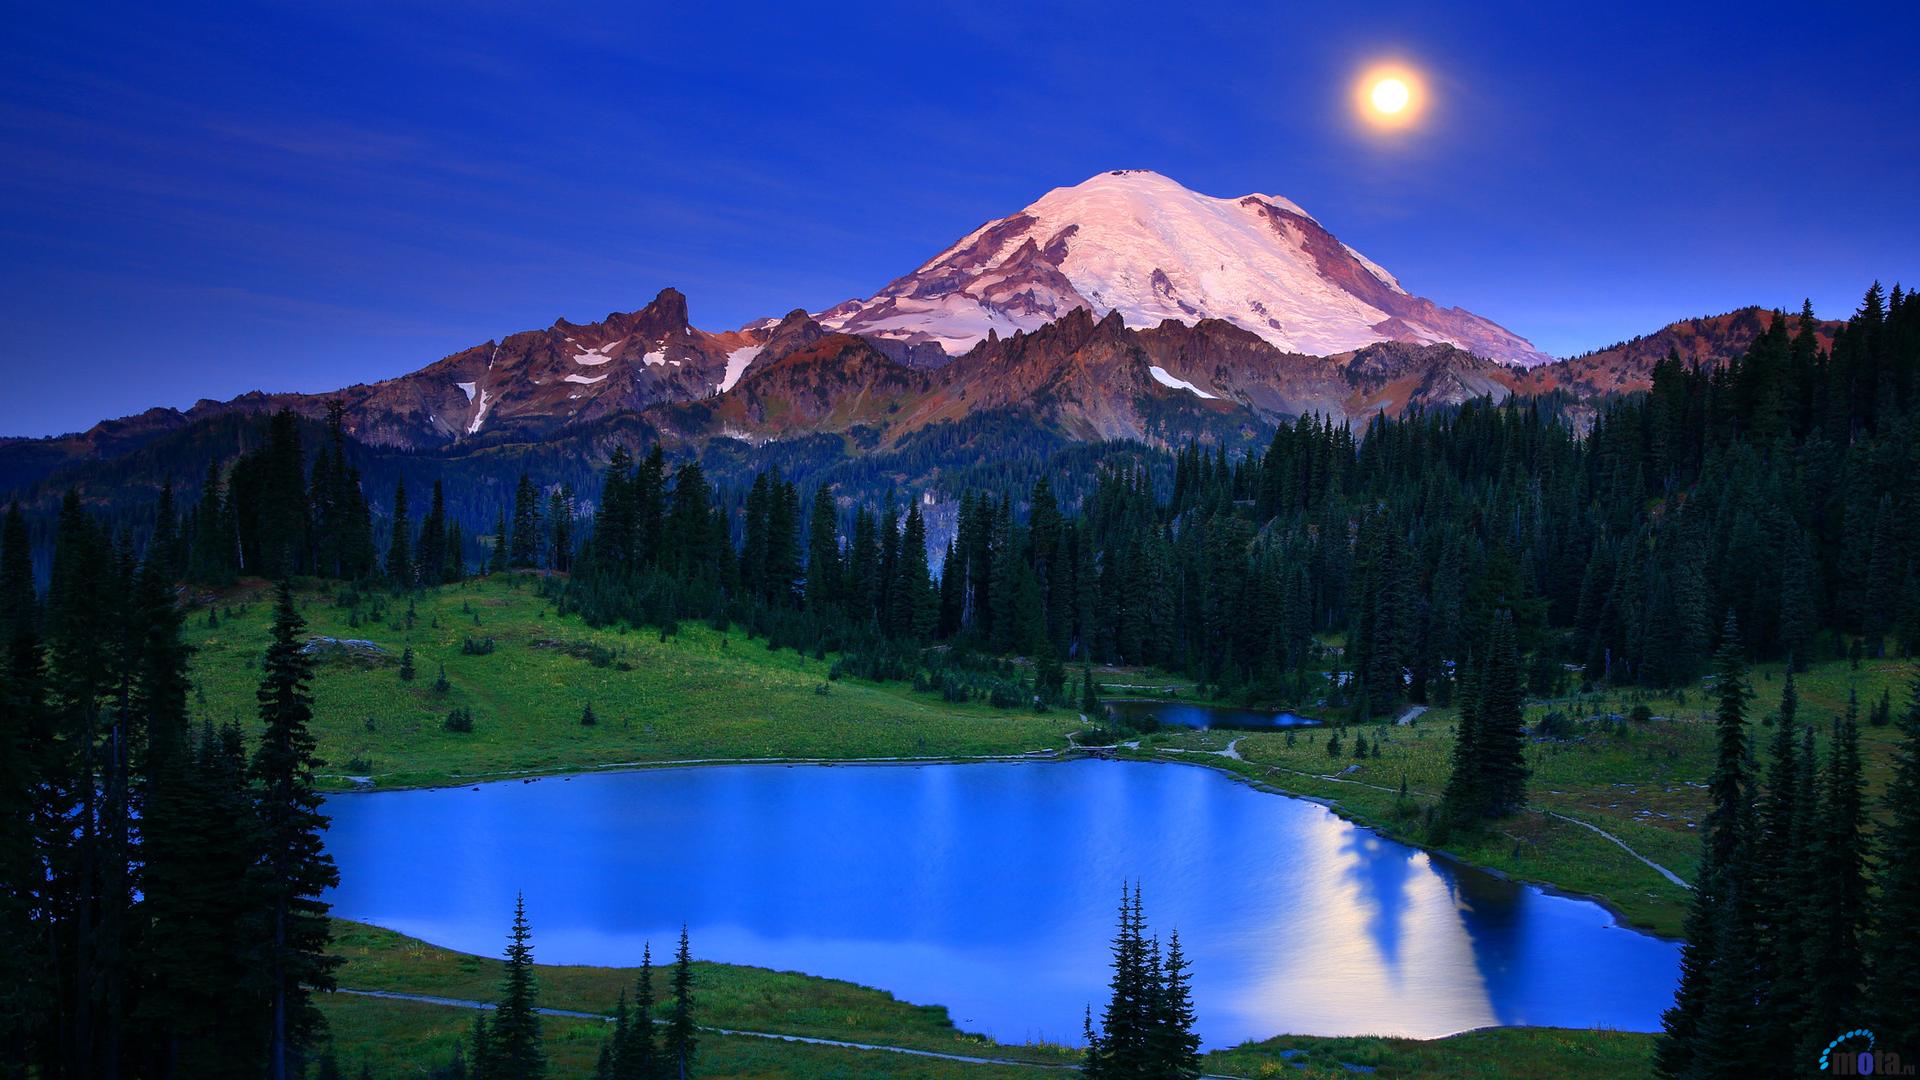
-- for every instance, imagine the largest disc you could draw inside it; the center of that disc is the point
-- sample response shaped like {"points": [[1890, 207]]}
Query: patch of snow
{"points": [[1376, 270], [597, 355], [1161, 376], [585, 380], [480, 416], [655, 358], [467, 387], [737, 362]]}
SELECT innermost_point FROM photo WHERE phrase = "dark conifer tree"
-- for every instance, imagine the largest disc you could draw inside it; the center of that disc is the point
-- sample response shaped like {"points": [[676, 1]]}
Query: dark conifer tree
{"points": [[294, 869], [1893, 994], [400, 546], [560, 528], [525, 550], [514, 1047], [1833, 936], [1704, 1031], [24, 743], [639, 1057], [823, 553], [430, 560], [681, 1038], [1501, 736]]}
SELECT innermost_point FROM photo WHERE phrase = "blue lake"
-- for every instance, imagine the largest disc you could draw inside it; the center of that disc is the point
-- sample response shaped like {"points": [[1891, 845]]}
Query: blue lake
{"points": [[991, 888]]}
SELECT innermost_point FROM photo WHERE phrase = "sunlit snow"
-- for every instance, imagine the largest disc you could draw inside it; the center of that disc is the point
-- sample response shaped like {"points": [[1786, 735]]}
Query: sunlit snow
{"points": [[737, 362], [1161, 376]]}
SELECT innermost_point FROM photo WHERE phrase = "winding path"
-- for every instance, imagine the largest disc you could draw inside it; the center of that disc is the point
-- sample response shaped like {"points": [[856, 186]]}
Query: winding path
{"points": [[965, 1059], [1661, 870]]}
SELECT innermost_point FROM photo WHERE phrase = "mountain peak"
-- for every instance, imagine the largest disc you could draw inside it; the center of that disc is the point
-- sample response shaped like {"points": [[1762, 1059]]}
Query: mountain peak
{"points": [[1136, 242]]}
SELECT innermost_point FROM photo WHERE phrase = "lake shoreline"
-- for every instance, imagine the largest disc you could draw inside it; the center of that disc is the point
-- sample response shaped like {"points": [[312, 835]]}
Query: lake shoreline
{"points": [[1073, 752]]}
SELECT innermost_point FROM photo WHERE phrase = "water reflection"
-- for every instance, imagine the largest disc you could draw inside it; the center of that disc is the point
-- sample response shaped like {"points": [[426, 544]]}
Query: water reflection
{"points": [[990, 889]]}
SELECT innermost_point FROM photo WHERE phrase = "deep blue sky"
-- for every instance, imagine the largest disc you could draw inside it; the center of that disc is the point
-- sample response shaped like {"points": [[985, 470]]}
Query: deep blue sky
{"points": [[202, 202]]}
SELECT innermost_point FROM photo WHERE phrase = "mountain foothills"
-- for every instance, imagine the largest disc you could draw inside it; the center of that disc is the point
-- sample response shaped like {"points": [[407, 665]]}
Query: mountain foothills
{"points": [[1125, 307]]}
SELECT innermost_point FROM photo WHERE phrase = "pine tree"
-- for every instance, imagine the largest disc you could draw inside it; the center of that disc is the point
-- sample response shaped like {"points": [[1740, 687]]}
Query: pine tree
{"points": [[1146, 1029], [1176, 1048], [524, 552], [1893, 994], [638, 1057], [481, 1057], [497, 555], [513, 1037], [1501, 735], [430, 551], [1464, 794], [1703, 1032], [22, 743], [681, 1039], [560, 529], [1777, 883], [295, 868], [823, 553], [400, 547], [1833, 937]]}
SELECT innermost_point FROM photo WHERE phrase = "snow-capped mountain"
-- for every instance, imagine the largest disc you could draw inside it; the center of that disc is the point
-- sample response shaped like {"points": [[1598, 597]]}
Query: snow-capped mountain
{"points": [[1140, 244]]}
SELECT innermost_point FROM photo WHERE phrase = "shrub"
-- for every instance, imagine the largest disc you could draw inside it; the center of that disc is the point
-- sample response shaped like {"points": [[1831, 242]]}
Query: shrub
{"points": [[477, 646], [459, 720]]}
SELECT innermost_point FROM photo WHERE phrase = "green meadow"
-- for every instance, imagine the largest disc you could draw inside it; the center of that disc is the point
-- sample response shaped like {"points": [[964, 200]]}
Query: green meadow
{"points": [[529, 677]]}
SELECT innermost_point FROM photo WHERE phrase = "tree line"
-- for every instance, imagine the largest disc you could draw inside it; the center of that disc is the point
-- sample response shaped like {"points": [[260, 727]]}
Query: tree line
{"points": [[159, 885], [1608, 553]]}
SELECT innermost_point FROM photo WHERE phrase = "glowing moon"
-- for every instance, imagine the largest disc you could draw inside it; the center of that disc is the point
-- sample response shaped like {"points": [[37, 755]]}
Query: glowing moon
{"points": [[1389, 96]]}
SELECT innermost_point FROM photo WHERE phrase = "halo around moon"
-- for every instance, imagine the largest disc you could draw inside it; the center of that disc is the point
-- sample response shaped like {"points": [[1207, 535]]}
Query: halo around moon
{"points": [[1389, 97]]}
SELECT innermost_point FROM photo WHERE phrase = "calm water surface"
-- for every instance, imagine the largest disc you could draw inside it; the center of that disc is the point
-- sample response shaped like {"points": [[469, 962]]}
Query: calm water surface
{"points": [[990, 888], [1189, 714]]}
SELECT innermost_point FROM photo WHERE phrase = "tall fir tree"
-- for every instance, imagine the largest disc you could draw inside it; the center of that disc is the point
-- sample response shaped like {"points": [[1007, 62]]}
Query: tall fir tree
{"points": [[514, 1047], [295, 869], [524, 552], [1893, 993], [400, 546], [1703, 1033], [681, 1038]]}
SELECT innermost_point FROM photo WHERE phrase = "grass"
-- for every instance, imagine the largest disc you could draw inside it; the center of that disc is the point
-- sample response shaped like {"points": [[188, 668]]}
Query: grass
{"points": [[698, 695], [1508, 1053], [404, 1038], [401, 1039]]}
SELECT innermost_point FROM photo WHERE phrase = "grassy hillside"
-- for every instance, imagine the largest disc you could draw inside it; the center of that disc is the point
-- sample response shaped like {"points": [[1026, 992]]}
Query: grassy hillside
{"points": [[698, 695]]}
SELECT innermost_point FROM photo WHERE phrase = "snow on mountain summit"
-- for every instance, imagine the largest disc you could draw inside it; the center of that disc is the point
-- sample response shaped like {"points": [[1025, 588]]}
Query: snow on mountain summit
{"points": [[1136, 242]]}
